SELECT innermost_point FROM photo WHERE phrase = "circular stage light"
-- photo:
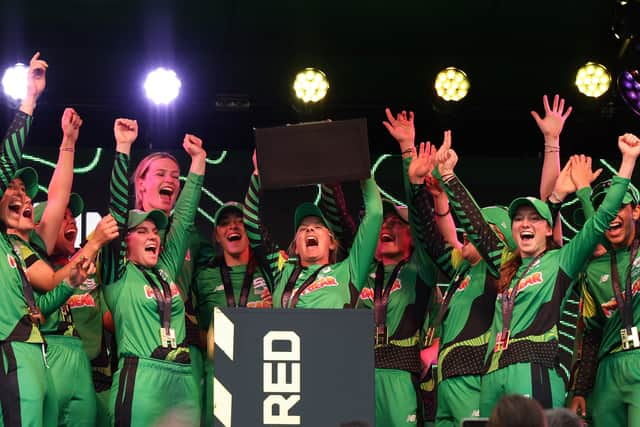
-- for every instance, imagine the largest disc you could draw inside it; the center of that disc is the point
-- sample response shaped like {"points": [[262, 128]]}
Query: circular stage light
{"points": [[162, 86], [593, 79], [311, 85], [14, 81], [452, 84]]}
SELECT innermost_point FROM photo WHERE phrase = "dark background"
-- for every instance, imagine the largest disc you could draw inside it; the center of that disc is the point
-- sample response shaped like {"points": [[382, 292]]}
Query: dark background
{"points": [[375, 53]]}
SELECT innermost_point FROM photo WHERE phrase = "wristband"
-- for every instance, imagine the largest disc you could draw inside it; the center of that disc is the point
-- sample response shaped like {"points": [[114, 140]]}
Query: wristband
{"points": [[444, 213]]}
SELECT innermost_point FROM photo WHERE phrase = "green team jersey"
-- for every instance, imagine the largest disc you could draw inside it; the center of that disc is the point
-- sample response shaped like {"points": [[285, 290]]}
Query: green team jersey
{"points": [[127, 292], [412, 288], [332, 286], [403, 296], [85, 307], [198, 253], [599, 307], [56, 322], [544, 290], [464, 331], [211, 292], [15, 323]]}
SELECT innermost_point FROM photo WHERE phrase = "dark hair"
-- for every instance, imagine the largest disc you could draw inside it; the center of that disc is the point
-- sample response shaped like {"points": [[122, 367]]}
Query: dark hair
{"points": [[509, 269], [517, 411], [562, 417]]}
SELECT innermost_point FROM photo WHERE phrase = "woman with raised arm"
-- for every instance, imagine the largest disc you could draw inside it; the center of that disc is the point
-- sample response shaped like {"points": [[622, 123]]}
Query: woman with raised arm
{"points": [[156, 180], [27, 395], [523, 350], [464, 318], [311, 277], [138, 276]]}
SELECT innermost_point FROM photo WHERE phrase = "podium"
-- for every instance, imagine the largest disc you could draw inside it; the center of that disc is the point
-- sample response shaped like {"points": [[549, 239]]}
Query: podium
{"points": [[293, 367]]}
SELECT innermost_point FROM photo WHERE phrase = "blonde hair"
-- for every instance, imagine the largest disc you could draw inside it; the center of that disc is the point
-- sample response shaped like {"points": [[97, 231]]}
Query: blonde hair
{"points": [[143, 168]]}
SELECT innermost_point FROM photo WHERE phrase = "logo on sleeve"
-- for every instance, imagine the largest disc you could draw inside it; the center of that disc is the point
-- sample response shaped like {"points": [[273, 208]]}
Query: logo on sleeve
{"points": [[463, 285], [12, 261], [259, 285]]}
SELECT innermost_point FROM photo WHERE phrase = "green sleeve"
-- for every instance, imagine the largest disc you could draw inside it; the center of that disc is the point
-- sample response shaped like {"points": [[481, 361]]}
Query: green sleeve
{"points": [[576, 253], [364, 245], [427, 233], [206, 280], [12, 145], [177, 240], [584, 195], [427, 269], [334, 208], [470, 217], [264, 248], [54, 299], [111, 260]]}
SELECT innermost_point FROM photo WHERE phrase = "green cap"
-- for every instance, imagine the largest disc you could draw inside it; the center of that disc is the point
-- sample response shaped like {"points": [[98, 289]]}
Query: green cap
{"points": [[499, 216], [389, 207], [76, 206], [537, 204], [229, 206], [600, 190], [304, 210], [137, 217], [29, 177]]}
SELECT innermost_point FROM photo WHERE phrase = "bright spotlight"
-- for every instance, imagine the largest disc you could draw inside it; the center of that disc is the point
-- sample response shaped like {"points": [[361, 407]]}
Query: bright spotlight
{"points": [[14, 81], [629, 89], [162, 86], [452, 84], [593, 79], [311, 85]]}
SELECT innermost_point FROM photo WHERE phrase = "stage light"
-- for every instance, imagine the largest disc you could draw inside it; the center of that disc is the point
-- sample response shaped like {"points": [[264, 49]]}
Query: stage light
{"points": [[629, 89], [162, 86], [593, 79], [452, 84], [14, 81], [311, 85]]}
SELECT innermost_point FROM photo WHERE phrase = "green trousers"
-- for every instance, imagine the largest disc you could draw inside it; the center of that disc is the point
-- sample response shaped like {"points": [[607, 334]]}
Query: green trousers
{"points": [[458, 398], [528, 379], [149, 391], [396, 398], [616, 394], [207, 407], [72, 378], [27, 394], [102, 408]]}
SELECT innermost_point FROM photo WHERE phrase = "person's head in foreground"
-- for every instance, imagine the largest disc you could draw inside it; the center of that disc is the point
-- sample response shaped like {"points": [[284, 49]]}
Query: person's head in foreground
{"points": [[517, 411]]}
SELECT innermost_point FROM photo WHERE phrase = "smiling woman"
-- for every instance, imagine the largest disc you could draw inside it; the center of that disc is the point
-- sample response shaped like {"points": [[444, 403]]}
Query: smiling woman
{"points": [[148, 311], [523, 348], [311, 278], [157, 182]]}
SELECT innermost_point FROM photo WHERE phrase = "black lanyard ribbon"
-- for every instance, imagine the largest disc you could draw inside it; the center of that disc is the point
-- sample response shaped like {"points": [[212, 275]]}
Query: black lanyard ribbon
{"points": [[225, 272], [508, 302], [163, 297], [288, 289], [381, 300]]}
